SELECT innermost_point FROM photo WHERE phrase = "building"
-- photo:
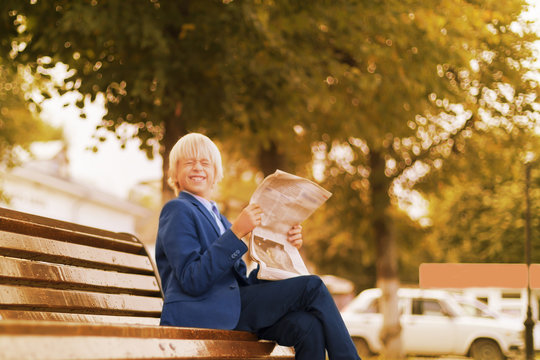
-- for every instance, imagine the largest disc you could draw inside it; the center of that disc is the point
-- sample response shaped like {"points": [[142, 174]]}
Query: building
{"points": [[44, 188]]}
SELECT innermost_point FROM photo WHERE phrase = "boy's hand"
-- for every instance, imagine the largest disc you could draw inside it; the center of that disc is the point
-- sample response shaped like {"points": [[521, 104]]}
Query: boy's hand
{"points": [[295, 236], [249, 218]]}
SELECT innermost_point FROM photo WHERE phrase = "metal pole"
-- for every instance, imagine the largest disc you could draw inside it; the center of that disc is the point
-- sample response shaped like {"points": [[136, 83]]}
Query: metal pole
{"points": [[529, 323]]}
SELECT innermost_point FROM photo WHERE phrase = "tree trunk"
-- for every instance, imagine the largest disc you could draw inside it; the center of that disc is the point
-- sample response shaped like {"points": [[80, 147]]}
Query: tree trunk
{"points": [[387, 264], [174, 129], [271, 159]]}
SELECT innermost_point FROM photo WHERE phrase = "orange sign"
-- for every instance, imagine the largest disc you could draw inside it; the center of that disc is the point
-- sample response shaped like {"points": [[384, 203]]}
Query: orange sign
{"points": [[461, 275]]}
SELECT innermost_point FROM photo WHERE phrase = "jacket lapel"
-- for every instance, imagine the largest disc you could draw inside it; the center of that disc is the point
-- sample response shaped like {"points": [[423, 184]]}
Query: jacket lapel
{"points": [[202, 209]]}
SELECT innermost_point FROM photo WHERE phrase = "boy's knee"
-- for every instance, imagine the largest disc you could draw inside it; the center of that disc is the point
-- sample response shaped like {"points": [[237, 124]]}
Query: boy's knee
{"points": [[313, 282], [315, 286]]}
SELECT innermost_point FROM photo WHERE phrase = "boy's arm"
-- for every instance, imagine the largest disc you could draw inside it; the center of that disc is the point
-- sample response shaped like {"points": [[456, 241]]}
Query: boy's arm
{"points": [[195, 270]]}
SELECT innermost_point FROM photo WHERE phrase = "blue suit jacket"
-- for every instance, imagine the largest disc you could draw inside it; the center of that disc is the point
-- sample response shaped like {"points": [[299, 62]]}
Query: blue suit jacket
{"points": [[200, 270]]}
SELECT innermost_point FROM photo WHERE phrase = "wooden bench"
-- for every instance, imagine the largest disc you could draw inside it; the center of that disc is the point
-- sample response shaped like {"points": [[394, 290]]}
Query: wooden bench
{"points": [[74, 292]]}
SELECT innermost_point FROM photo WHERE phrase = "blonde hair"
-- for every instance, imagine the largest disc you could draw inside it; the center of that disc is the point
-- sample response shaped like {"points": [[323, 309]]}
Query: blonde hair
{"points": [[193, 146]]}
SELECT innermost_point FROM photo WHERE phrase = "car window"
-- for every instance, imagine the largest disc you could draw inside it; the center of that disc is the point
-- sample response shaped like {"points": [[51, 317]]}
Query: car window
{"points": [[427, 307], [475, 310]]}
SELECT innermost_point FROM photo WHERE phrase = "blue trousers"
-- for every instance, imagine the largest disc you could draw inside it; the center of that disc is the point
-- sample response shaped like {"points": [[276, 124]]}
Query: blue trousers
{"points": [[298, 312]]}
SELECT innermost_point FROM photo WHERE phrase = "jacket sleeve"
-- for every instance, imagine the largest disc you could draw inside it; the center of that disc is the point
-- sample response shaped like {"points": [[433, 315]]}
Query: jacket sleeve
{"points": [[196, 260]]}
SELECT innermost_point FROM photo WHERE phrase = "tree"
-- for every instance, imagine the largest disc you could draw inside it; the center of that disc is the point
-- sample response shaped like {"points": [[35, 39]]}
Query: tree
{"points": [[480, 200], [378, 88], [17, 117], [409, 91], [164, 67]]}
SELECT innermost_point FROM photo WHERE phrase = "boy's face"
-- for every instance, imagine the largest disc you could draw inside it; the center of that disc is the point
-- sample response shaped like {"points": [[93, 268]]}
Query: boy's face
{"points": [[196, 176]]}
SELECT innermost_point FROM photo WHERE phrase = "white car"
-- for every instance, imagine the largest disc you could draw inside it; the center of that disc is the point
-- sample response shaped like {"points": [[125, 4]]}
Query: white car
{"points": [[432, 324], [477, 308]]}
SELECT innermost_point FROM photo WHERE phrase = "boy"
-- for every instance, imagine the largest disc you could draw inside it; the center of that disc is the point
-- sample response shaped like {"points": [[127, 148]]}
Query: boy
{"points": [[204, 279]]}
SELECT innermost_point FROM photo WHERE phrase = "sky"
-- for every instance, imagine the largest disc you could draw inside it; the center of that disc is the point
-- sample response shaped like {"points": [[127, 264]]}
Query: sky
{"points": [[113, 169]]}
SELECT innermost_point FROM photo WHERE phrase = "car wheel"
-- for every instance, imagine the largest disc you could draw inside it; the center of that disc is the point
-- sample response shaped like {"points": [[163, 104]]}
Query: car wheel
{"points": [[362, 347], [484, 349]]}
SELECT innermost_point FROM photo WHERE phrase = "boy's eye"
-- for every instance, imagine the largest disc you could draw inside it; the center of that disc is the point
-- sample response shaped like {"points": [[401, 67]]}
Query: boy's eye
{"points": [[204, 163]]}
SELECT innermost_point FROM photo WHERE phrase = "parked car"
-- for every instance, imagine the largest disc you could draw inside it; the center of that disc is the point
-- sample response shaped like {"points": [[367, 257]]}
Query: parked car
{"points": [[475, 307], [432, 324]]}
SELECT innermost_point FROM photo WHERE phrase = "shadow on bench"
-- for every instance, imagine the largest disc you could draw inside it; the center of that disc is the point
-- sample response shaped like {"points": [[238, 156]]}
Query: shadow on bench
{"points": [[73, 292]]}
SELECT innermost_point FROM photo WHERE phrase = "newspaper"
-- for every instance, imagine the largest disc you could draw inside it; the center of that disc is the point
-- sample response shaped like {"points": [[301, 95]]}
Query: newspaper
{"points": [[286, 200]]}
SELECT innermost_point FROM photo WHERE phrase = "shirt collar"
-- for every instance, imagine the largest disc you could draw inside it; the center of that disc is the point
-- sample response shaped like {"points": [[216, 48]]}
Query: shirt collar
{"points": [[205, 202]]}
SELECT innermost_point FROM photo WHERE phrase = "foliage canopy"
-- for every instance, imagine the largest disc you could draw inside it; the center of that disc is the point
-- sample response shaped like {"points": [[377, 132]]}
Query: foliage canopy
{"points": [[378, 91]]}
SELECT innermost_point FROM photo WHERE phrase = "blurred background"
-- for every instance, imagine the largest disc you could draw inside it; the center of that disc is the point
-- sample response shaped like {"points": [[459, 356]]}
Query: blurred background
{"points": [[420, 117]]}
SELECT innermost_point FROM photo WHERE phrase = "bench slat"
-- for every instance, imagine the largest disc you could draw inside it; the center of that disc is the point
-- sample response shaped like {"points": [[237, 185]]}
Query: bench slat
{"points": [[10, 327], [29, 224], [32, 273], [40, 299], [90, 348], [36, 248], [42, 316]]}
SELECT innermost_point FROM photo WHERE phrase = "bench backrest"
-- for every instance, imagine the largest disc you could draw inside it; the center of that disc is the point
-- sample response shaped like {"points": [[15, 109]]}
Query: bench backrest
{"points": [[55, 270]]}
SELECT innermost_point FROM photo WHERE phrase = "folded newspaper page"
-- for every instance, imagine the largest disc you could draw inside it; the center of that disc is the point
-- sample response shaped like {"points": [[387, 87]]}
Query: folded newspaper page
{"points": [[286, 200]]}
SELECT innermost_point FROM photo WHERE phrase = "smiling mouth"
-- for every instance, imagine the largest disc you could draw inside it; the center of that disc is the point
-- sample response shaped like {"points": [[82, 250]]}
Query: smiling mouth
{"points": [[197, 178]]}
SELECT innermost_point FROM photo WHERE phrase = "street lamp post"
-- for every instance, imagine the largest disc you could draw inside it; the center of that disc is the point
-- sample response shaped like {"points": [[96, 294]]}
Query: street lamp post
{"points": [[529, 323]]}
